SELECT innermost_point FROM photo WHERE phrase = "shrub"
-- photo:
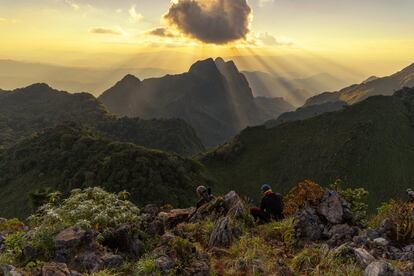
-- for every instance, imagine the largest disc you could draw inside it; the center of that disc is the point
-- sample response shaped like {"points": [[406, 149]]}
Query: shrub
{"points": [[184, 249], [11, 226], [401, 215], [303, 194], [282, 231], [199, 231], [146, 266], [92, 208]]}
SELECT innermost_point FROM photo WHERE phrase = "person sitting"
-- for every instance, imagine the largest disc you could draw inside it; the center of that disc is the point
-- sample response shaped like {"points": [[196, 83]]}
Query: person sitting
{"points": [[271, 207], [410, 193], [204, 195]]}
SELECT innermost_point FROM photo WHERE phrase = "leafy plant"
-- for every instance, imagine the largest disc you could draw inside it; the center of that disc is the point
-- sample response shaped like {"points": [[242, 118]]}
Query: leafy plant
{"points": [[146, 266], [303, 194], [401, 215], [282, 231]]}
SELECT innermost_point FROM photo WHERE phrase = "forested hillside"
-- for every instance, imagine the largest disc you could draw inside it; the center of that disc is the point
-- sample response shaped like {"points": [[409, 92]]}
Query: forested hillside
{"points": [[68, 157], [369, 144]]}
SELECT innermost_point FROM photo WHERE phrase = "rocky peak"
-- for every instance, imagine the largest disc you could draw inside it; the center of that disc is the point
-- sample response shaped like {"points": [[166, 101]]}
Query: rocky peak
{"points": [[204, 68]]}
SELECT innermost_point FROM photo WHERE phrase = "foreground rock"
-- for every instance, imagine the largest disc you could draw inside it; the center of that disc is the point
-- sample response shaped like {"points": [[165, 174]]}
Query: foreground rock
{"points": [[381, 268]]}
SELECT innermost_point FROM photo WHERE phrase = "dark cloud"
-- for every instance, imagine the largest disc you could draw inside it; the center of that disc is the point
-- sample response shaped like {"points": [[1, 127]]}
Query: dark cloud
{"points": [[163, 32], [211, 21], [100, 30]]}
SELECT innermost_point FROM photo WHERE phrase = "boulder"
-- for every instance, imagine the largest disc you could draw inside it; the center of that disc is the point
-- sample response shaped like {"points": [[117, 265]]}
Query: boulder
{"points": [[156, 227], [197, 268], [230, 199], [381, 242], [224, 233], [381, 268], [88, 261], [341, 233], [307, 225], [175, 216], [165, 264], [112, 261], [55, 269], [69, 240], [124, 239], [151, 209], [363, 257], [334, 208], [388, 229]]}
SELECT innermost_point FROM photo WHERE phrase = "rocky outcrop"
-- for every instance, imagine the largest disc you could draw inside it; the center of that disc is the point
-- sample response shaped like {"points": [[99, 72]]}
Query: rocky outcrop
{"points": [[381, 268], [334, 208], [225, 231], [175, 216], [80, 251]]}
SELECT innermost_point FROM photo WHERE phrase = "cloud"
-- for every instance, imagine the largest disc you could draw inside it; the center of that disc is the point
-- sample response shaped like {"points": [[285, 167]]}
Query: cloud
{"points": [[211, 21], [162, 32], [101, 30], [268, 39], [134, 15]]}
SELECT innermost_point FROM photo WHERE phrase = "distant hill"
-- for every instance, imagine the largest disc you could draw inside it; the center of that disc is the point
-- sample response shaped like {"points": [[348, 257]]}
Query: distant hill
{"points": [[213, 97], [307, 112], [69, 78], [294, 90], [68, 157], [369, 144], [371, 87], [28, 110]]}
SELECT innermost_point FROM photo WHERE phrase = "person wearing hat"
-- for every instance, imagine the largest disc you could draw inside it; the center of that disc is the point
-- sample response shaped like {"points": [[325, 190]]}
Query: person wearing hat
{"points": [[204, 195], [271, 207]]}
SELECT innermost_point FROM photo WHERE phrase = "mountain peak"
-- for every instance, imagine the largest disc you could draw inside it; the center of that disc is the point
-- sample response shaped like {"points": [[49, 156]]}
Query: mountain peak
{"points": [[38, 87], [131, 79], [408, 69], [203, 67]]}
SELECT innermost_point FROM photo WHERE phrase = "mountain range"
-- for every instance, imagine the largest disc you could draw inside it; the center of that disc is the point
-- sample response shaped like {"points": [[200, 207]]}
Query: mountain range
{"points": [[26, 111], [369, 144], [294, 90], [213, 97], [371, 87], [333, 101]]}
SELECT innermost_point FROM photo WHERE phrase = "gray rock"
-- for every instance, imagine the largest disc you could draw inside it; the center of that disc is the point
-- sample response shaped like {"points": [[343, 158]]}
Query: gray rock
{"points": [[224, 233], [151, 209], [112, 261], [55, 269], [381, 242], [197, 268], [165, 263], [334, 209], [88, 261], [308, 225], [230, 199], [156, 227], [340, 234], [387, 229], [124, 240], [381, 268], [69, 240], [363, 257]]}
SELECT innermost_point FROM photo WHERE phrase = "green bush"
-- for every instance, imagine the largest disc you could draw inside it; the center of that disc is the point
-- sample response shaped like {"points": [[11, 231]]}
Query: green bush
{"points": [[92, 208], [146, 266]]}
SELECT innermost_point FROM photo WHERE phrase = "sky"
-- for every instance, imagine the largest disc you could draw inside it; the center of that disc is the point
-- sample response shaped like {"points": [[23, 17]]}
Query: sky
{"points": [[370, 37]]}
